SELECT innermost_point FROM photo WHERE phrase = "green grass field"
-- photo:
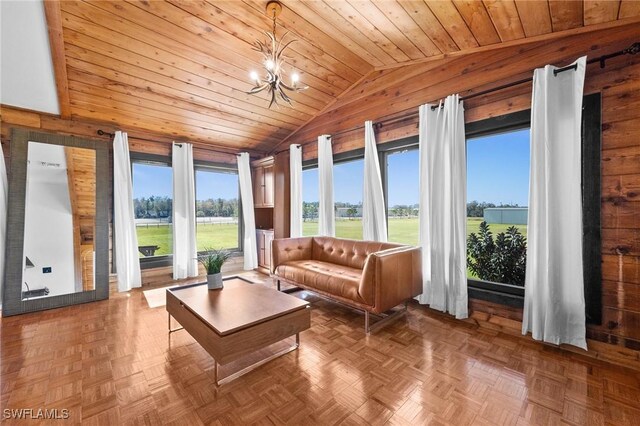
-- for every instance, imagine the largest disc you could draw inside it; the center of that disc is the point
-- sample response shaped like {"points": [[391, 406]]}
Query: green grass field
{"points": [[209, 235], [226, 235]]}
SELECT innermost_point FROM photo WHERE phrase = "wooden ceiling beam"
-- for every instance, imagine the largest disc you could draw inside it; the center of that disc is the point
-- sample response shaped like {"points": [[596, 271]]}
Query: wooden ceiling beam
{"points": [[56, 42]]}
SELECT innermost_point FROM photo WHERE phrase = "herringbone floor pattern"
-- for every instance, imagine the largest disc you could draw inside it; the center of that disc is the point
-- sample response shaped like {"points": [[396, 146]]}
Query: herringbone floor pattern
{"points": [[111, 363]]}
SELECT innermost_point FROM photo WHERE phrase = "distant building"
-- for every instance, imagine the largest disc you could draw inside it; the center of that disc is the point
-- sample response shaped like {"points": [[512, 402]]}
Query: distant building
{"points": [[506, 215], [343, 212]]}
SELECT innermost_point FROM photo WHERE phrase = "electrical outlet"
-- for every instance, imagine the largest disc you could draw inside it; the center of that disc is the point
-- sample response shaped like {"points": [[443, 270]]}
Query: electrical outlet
{"points": [[46, 270]]}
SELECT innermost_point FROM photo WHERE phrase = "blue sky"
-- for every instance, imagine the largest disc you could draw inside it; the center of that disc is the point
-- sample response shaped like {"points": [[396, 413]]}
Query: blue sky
{"points": [[498, 168], [151, 180], [497, 172]]}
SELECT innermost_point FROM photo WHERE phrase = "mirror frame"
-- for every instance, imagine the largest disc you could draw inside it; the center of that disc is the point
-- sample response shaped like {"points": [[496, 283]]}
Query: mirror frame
{"points": [[12, 303]]}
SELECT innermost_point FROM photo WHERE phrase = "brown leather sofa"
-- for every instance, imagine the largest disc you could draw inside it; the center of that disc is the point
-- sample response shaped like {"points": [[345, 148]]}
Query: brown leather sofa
{"points": [[370, 276]]}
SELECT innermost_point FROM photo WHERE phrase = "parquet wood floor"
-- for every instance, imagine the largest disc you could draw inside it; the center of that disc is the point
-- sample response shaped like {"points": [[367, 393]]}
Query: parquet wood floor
{"points": [[111, 363]]}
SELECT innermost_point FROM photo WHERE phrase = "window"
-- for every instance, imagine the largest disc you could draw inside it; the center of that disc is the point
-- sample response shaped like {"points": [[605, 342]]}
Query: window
{"points": [[217, 209], [498, 171], [348, 182], [497, 197], [310, 202], [403, 177], [153, 205]]}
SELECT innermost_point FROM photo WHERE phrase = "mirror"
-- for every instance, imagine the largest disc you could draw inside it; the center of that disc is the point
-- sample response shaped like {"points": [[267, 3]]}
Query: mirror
{"points": [[57, 246], [60, 213]]}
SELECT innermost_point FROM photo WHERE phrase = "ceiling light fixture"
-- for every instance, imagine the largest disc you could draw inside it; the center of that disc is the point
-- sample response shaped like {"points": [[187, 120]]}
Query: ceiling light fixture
{"points": [[274, 64]]}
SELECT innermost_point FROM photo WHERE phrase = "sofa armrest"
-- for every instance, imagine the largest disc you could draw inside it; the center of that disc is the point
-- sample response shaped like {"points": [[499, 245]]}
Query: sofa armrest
{"points": [[392, 276], [288, 249]]}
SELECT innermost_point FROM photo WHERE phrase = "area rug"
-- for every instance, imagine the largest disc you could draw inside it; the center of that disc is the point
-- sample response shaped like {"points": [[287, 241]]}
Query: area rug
{"points": [[157, 297]]}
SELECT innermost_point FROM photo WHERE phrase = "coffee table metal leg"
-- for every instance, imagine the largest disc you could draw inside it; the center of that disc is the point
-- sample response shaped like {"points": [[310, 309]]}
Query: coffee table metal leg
{"points": [[252, 367], [169, 323]]}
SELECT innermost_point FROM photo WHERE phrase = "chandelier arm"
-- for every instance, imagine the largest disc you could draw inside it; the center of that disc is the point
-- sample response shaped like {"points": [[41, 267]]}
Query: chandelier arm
{"points": [[279, 43], [284, 96], [273, 99], [284, 48], [258, 89]]}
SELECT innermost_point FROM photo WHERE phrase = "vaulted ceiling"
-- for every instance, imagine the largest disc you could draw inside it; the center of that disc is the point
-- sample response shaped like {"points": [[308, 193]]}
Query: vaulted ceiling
{"points": [[181, 67]]}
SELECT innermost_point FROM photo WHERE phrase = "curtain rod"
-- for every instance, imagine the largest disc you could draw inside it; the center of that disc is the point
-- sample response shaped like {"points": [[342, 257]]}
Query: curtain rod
{"points": [[631, 50], [101, 132]]}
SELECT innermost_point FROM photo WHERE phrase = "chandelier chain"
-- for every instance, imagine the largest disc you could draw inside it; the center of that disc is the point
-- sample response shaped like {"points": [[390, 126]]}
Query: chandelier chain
{"points": [[274, 21]]}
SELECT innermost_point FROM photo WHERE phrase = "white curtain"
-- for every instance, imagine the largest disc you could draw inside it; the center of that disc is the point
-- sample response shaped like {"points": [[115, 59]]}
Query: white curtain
{"points": [[3, 217], [554, 306], [185, 252], [295, 170], [326, 213], [443, 212], [374, 220], [248, 215], [126, 240]]}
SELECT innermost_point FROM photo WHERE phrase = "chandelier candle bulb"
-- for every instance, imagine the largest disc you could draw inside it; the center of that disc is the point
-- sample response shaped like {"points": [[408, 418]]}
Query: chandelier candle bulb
{"points": [[273, 59]]}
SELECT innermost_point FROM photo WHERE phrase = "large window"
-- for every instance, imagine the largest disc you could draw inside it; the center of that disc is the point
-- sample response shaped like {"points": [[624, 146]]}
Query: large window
{"points": [[310, 202], [153, 205], [403, 177], [217, 209], [497, 198], [348, 181], [347, 189]]}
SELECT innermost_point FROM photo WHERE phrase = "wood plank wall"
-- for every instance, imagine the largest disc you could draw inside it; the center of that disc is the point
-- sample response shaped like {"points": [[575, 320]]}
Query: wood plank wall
{"points": [[391, 93]]}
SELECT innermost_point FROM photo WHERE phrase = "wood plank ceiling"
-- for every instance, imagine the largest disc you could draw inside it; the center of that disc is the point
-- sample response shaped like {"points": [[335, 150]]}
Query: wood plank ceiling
{"points": [[181, 67]]}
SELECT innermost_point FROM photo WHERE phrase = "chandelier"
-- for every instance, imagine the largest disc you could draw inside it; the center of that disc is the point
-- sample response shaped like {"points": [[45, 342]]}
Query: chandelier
{"points": [[272, 51]]}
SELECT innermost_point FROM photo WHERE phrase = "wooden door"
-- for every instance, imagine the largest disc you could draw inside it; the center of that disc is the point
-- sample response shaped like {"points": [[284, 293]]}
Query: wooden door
{"points": [[268, 186], [258, 187]]}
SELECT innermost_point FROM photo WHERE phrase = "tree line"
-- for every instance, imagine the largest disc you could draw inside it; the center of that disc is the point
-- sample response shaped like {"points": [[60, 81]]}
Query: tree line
{"points": [[161, 207], [474, 209]]}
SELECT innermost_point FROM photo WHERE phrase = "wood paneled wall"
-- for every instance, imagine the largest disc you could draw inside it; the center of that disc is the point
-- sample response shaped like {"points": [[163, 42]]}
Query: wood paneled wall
{"points": [[394, 92]]}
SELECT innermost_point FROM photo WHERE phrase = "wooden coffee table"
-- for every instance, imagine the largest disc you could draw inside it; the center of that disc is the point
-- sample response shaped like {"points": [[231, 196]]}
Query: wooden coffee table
{"points": [[237, 320]]}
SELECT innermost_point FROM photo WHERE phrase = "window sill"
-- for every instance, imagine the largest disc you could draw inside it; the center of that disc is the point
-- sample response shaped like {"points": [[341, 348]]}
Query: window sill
{"points": [[167, 260], [502, 294]]}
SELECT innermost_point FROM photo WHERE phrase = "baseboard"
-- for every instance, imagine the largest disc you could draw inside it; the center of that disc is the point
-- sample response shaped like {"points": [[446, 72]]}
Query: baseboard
{"points": [[597, 350]]}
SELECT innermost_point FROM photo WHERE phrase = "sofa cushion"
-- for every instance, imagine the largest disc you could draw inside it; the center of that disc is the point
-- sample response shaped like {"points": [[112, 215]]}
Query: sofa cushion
{"points": [[324, 277], [349, 253]]}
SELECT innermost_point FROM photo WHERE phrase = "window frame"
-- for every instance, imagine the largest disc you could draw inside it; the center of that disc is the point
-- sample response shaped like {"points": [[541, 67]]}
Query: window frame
{"points": [[204, 166], [384, 151], [160, 160], [502, 293], [343, 157], [166, 161]]}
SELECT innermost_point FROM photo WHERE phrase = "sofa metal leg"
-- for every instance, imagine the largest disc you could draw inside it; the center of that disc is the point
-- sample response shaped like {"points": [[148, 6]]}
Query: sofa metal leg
{"points": [[386, 319], [367, 329], [278, 284]]}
